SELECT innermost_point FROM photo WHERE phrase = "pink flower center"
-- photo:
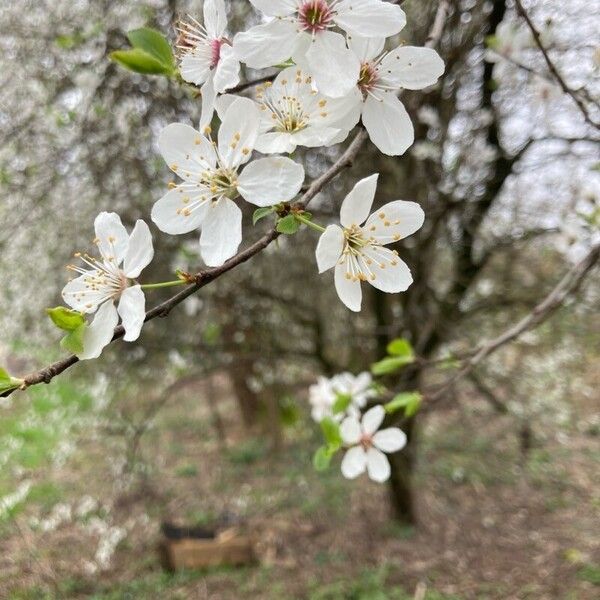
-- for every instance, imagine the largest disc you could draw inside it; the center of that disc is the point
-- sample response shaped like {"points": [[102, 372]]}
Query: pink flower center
{"points": [[368, 77], [215, 46], [315, 16], [366, 441]]}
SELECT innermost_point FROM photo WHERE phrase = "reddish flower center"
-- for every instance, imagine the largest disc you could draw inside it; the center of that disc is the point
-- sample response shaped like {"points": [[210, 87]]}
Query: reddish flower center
{"points": [[366, 441], [215, 46], [315, 16], [368, 77]]}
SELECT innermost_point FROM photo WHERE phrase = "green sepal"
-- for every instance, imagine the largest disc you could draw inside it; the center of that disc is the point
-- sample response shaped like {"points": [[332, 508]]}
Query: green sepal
{"points": [[261, 213], [73, 341], [65, 318], [342, 402], [8, 383], [288, 225], [409, 401]]}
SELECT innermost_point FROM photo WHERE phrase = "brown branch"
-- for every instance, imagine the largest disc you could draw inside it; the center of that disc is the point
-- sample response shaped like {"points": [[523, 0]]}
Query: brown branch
{"points": [[203, 278], [568, 285], [552, 67]]}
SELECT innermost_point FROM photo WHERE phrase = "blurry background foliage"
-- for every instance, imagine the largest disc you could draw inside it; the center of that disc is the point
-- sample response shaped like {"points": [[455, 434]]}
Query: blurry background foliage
{"points": [[205, 418]]}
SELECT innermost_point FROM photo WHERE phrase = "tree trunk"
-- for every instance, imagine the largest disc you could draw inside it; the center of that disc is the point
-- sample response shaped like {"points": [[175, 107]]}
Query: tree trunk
{"points": [[401, 486], [248, 401]]}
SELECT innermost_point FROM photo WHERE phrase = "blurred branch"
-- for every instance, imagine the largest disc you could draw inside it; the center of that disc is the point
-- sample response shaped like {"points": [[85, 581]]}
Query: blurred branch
{"points": [[568, 285], [552, 67]]}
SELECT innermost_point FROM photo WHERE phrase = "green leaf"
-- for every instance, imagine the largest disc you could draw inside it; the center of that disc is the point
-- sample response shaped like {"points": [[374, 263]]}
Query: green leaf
{"points": [[390, 364], [8, 383], [331, 432], [154, 43], [65, 318], [400, 347], [409, 401], [288, 225], [261, 213], [341, 403], [73, 341], [140, 62], [322, 458]]}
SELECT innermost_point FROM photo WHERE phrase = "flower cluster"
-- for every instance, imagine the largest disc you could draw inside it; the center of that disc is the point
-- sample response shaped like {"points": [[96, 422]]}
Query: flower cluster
{"points": [[335, 69]]}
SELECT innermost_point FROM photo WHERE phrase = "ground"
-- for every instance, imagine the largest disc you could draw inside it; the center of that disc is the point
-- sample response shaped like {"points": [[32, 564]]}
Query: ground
{"points": [[493, 523]]}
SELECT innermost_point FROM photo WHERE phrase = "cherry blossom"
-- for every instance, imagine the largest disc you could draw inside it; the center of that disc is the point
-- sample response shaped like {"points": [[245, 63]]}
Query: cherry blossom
{"points": [[295, 114], [102, 282], [367, 445], [206, 56], [211, 181], [302, 29], [356, 249], [382, 76]]}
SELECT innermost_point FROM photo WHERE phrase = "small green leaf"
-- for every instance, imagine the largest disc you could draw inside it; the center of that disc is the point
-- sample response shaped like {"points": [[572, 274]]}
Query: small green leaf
{"points": [[261, 213], [331, 432], [341, 403], [400, 347], [140, 62], [390, 364], [288, 225], [65, 318], [409, 401], [73, 341], [322, 458], [154, 43], [492, 42], [8, 383]]}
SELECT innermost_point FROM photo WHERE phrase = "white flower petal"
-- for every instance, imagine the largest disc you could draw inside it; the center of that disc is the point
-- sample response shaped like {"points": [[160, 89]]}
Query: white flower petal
{"points": [[390, 273], [266, 45], [100, 332], [181, 209], [275, 142], [111, 236], [412, 68], [195, 67], [370, 18], [275, 8], [140, 250], [239, 131], [268, 181], [227, 71], [330, 247], [221, 232], [79, 296], [357, 204], [348, 290], [354, 462], [335, 68], [378, 465], [208, 102], [215, 18], [186, 152], [372, 419], [350, 431], [388, 124], [366, 48], [132, 309], [316, 136], [390, 440], [394, 221]]}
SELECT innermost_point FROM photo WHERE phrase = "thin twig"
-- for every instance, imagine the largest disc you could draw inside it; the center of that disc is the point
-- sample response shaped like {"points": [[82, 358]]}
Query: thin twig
{"points": [[552, 67]]}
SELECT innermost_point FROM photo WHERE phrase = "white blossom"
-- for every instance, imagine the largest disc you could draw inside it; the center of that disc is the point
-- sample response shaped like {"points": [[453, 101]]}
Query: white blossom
{"points": [[110, 279], [295, 114], [382, 76], [206, 56], [302, 29], [211, 182], [367, 445], [356, 248]]}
